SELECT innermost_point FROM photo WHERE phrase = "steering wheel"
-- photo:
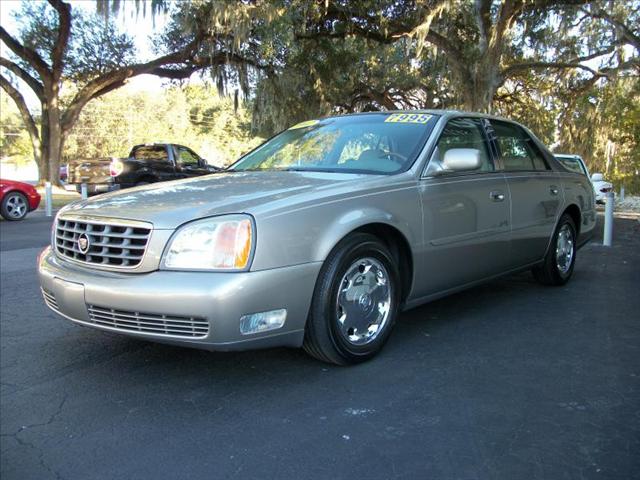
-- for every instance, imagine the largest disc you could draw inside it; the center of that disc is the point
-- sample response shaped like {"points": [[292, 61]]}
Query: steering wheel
{"points": [[401, 157]]}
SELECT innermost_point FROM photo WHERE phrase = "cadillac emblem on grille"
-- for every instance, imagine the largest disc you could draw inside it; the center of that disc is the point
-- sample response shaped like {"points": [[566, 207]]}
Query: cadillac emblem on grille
{"points": [[83, 243]]}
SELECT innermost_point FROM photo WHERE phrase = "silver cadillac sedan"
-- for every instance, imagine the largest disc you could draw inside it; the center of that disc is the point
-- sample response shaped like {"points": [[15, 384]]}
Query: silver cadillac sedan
{"points": [[321, 236]]}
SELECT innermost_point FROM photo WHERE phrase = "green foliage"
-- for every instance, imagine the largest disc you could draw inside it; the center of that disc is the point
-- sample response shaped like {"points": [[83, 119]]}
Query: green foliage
{"points": [[300, 59], [194, 116], [603, 125], [15, 144], [96, 46]]}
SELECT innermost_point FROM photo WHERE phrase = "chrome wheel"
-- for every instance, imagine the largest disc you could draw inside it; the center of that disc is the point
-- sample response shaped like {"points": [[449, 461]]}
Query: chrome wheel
{"points": [[364, 301], [564, 249], [16, 206]]}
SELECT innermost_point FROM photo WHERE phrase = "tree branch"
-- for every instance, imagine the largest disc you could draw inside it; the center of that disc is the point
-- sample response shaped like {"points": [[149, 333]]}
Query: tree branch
{"points": [[27, 118], [482, 12], [351, 24], [114, 79], [627, 33], [548, 65], [64, 31], [22, 74], [28, 55]]}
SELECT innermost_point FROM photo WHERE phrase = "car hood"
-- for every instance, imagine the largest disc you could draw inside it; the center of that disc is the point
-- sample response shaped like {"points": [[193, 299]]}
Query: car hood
{"points": [[170, 204]]}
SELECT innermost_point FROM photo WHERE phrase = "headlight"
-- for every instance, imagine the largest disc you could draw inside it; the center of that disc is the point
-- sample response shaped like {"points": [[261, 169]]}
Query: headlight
{"points": [[218, 243]]}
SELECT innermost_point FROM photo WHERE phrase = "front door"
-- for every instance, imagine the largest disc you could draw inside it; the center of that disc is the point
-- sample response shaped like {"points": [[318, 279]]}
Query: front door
{"points": [[466, 215], [189, 164]]}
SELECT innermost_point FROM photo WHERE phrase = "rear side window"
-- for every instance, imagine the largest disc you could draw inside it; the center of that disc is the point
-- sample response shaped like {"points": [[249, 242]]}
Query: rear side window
{"points": [[572, 164], [516, 148], [151, 152], [462, 133]]}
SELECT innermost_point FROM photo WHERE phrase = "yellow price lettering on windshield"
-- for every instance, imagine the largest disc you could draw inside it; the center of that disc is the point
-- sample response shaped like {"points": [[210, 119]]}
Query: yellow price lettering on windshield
{"points": [[408, 118], [308, 123]]}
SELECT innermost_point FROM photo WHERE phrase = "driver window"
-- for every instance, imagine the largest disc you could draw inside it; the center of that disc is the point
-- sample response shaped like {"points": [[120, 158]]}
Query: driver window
{"points": [[187, 159], [461, 133]]}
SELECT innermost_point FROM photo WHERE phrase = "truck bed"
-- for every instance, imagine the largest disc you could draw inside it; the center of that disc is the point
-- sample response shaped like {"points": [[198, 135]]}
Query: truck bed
{"points": [[89, 171]]}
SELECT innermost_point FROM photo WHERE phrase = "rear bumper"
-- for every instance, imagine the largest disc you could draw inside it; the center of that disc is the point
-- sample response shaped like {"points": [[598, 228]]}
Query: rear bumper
{"points": [[215, 300], [96, 188]]}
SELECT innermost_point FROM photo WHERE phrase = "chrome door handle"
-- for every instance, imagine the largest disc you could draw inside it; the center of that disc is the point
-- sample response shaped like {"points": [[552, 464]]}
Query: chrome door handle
{"points": [[497, 196], [553, 189]]}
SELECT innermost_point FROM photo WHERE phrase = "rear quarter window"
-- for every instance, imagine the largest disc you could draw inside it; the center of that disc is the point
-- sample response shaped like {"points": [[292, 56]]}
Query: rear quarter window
{"points": [[150, 153], [571, 164]]}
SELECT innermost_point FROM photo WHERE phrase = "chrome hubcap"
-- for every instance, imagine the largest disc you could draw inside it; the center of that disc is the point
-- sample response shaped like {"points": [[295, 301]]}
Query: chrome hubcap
{"points": [[364, 301], [16, 206], [564, 249]]}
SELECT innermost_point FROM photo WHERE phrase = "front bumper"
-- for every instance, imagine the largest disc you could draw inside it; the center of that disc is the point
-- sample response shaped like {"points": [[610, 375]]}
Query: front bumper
{"points": [[34, 201], [219, 299]]}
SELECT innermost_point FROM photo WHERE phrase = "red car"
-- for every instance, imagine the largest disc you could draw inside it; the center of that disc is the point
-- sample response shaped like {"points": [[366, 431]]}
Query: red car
{"points": [[17, 199]]}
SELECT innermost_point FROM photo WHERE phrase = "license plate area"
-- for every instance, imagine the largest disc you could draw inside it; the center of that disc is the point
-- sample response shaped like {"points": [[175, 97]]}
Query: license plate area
{"points": [[70, 298]]}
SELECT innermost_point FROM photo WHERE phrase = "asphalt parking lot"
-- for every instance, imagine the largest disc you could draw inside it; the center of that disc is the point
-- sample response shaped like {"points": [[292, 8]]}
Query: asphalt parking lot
{"points": [[510, 380]]}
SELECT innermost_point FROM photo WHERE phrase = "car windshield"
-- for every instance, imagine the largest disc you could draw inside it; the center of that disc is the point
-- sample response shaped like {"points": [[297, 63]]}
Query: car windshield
{"points": [[380, 143]]}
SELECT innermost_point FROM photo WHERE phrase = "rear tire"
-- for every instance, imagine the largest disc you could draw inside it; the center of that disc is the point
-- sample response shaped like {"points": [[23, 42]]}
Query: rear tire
{"points": [[558, 264], [355, 302], [15, 206]]}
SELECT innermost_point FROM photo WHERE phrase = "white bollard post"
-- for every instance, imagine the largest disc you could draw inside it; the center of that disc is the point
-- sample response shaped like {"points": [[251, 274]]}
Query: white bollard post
{"points": [[622, 193], [608, 220], [48, 199], [83, 191]]}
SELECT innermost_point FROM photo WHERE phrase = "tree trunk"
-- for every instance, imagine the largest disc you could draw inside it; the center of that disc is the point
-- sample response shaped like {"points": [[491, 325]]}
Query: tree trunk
{"points": [[41, 156], [54, 153], [480, 88], [52, 139]]}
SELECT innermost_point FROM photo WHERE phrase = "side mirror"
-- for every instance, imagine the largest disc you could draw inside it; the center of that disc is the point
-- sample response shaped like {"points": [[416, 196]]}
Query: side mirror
{"points": [[597, 177], [461, 159]]}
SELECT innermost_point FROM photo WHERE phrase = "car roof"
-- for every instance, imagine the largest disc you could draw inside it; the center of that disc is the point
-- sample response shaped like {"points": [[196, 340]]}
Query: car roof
{"points": [[440, 112]]}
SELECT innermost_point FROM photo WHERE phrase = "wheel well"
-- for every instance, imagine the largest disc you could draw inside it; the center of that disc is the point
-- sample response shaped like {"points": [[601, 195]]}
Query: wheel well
{"points": [[14, 191], [574, 212], [399, 247]]}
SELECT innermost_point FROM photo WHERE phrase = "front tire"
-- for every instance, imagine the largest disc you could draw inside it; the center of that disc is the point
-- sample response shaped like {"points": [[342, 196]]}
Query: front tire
{"points": [[15, 206], [355, 302], [558, 264]]}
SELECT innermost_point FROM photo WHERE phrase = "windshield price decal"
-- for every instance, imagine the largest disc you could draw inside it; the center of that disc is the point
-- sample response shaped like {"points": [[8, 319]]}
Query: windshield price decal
{"points": [[408, 118]]}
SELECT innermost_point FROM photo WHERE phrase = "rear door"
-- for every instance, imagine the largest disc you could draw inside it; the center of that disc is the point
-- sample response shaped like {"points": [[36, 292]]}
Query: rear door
{"points": [[536, 191], [465, 214]]}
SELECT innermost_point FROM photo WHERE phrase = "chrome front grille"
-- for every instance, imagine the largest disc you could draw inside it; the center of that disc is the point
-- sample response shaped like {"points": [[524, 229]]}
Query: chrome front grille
{"points": [[49, 299], [165, 325], [119, 245]]}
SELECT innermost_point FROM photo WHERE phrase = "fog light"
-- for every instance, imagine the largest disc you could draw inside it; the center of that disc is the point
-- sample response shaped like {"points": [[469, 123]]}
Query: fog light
{"points": [[262, 322]]}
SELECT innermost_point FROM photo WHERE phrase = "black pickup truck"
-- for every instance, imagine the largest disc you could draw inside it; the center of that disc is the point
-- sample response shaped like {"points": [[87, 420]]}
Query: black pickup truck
{"points": [[148, 163]]}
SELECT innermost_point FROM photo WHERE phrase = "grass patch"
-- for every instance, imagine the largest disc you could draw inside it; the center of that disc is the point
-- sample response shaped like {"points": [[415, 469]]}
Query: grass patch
{"points": [[61, 197]]}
